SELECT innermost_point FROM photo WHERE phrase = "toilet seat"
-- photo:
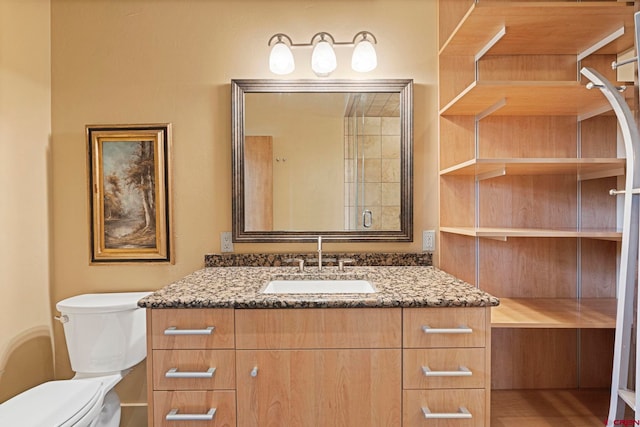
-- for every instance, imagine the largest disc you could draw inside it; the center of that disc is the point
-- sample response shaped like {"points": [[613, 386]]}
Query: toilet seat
{"points": [[62, 403]]}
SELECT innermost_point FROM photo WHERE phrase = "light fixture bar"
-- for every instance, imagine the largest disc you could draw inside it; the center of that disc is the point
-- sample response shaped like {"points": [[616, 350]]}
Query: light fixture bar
{"points": [[279, 36], [323, 60]]}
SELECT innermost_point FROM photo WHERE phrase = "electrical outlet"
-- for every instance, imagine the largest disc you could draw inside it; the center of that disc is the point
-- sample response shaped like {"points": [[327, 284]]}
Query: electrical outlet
{"points": [[428, 240], [226, 242]]}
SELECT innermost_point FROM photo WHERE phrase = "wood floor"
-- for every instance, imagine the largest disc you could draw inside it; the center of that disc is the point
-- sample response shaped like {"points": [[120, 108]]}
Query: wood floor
{"points": [[549, 408]]}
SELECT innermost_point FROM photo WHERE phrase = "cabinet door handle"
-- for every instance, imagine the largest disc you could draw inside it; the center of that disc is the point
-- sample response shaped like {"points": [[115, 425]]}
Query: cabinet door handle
{"points": [[254, 372], [462, 371], [463, 413], [173, 415], [172, 330], [459, 330], [173, 373]]}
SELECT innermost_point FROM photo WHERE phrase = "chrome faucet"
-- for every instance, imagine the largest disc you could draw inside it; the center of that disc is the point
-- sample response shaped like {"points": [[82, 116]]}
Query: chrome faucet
{"points": [[319, 259], [319, 253]]}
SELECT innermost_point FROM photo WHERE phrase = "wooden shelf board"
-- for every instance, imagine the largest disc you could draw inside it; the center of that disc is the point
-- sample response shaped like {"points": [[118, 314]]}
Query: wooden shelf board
{"points": [[554, 313], [542, 28], [537, 166], [506, 232], [549, 98], [549, 408]]}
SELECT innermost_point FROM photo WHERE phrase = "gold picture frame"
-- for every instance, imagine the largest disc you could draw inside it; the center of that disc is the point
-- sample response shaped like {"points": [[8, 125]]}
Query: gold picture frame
{"points": [[130, 193]]}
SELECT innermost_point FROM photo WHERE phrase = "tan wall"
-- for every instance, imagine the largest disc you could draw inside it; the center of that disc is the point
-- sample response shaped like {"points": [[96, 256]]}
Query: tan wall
{"points": [[172, 61], [26, 357]]}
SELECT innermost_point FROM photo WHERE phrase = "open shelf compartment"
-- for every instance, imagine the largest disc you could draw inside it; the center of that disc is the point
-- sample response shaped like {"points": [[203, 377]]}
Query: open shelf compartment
{"points": [[554, 313], [527, 28], [584, 168], [506, 232]]}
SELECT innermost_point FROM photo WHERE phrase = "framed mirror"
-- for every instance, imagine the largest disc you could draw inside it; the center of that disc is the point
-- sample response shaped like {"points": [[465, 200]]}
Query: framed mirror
{"points": [[331, 158]]}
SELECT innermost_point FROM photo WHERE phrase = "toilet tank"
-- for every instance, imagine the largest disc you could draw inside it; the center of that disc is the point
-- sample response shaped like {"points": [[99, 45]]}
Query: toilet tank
{"points": [[104, 332]]}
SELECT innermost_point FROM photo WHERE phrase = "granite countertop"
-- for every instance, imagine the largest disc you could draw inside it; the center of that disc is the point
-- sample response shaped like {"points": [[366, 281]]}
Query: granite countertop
{"points": [[239, 287]]}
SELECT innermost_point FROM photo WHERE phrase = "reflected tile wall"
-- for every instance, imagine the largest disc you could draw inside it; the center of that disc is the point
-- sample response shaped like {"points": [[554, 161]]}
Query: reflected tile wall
{"points": [[372, 172]]}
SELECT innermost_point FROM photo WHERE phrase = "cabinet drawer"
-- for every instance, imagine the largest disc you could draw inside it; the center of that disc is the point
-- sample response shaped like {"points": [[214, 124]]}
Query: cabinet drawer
{"points": [[319, 328], [193, 408], [444, 327], [192, 328], [193, 369], [448, 408], [444, 368]]}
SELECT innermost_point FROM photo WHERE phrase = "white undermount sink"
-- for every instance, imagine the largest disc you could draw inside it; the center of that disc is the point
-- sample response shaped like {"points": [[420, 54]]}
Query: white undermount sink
{"points": [[337, 286]]}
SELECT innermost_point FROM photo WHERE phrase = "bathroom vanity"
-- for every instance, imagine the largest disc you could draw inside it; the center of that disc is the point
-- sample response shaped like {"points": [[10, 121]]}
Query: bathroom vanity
{"points": [[223, 352]]}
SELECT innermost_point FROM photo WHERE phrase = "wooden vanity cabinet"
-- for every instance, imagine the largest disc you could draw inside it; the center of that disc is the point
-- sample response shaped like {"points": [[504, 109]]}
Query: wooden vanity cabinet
{"points": [[318, 367]]}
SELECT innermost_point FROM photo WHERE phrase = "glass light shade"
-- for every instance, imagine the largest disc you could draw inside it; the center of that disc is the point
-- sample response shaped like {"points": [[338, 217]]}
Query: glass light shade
{"points": [[364, 57], [281, 59], [323, 59]]}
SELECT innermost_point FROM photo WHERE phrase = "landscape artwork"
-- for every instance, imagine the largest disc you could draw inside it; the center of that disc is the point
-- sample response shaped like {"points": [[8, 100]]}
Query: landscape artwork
{"points": [[130, 193], [129, 181]]}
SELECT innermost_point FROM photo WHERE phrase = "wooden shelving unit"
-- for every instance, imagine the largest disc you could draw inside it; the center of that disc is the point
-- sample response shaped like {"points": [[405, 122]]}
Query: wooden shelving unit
{"points": [[527, 158]]}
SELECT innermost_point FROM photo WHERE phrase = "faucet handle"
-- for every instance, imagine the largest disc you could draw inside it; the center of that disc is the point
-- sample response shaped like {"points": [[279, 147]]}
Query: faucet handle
{"points": [[300, 262], [343, 261]]}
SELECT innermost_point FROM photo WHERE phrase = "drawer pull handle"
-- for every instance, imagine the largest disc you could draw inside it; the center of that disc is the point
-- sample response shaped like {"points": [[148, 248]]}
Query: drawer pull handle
{"points": [[173, 373], [462, 371], [459, 330], [172, 330], [173, 415], [254, 372], [463, 413]]}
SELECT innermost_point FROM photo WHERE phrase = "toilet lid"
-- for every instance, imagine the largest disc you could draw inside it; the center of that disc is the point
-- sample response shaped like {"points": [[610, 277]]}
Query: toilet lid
{"points": [[54, 403], [101, 303]]}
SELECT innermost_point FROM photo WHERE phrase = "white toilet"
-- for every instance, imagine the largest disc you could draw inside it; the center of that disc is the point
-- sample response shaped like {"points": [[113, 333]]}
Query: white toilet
{"points": [[106, 336]]}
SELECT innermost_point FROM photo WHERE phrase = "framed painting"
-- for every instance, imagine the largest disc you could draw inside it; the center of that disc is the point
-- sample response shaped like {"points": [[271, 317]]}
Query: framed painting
{"points": [[130, 193]]}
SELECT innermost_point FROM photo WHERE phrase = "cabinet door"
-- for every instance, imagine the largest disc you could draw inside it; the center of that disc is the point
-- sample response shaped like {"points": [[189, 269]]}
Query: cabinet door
{"points": [[316, 388]]}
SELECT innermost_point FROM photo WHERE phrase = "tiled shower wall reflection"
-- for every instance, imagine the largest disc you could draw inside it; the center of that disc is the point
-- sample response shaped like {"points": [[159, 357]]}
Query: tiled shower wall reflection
{"points": [[372, 172]]}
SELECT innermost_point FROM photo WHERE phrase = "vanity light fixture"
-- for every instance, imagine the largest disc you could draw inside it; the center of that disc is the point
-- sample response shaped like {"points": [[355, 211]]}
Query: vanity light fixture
{"points": [[364, 58], [281, 59], [323, 57]]}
